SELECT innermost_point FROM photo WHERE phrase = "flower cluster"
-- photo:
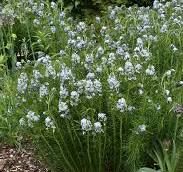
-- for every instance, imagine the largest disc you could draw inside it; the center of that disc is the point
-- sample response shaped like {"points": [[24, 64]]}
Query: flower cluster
{"points": [[101, 66], [97, 127]]}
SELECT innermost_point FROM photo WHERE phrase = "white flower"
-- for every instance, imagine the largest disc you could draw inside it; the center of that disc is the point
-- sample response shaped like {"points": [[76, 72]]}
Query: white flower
{"points": [[180, 83], [169, 99], [22, 122], [74, 98], [97, 19], [168, 73], [80, 86], [121, 105], [81, 26], [24, 100], [53, 29], [89, 59], [120, 51], [164, 28], [90, 76], [138, 67], [74, 95], [174, 48], [149, 100], [50, 71], [62, 53], [86, 125], [103, 30], [34, 84], [141, 91], [140, 85], [104, 61], [43, 91], [62, 14], [22, 83], [97, 86], [18, 65], [89, 88], [32, 117], [75, 58], [36, 21], [98, 127], [49, 123], [167, 92], [112, 15], [158, 107], [150, 70], [40, 13], [100, 51], [46, 60], [113, 82], [141, 129], [145, 53], [99, 69], [80, 43], [36, 74], [63, 108], [156, 4], [102, 117], [129, 68], [131, 108], [121, 70], [112, 56], [53, 4], [65, 74], [140, 42], [72, 42], [110, 60], [63, 92]]}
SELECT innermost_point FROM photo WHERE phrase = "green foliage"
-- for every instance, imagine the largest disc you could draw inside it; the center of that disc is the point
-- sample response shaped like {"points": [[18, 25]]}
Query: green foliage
{"points": [[9, 130], [166, 158], [147, 170], [124, 64], [91, 6], [166, 155]]}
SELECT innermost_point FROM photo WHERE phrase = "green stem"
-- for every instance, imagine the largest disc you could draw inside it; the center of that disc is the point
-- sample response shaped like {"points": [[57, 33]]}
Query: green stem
{"points": [[30, 39], [121, 143], [64, 157], [105, 141], [88, 150], [114, 139], [176, 127], [75, 151], [44, 139], [100, 157], [61, 136]]}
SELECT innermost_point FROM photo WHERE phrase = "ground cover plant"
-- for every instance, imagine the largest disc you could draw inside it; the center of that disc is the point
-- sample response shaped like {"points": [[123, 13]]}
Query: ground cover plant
{"points": [[99, 94]]}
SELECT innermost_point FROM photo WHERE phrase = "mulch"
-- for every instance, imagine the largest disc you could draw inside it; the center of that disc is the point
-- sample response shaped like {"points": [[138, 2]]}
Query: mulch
{"points": [[15, 160]]}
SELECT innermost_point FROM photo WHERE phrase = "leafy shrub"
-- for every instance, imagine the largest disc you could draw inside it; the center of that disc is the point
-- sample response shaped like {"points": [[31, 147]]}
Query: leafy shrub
{"points": [[98, 92], [84, 5]]}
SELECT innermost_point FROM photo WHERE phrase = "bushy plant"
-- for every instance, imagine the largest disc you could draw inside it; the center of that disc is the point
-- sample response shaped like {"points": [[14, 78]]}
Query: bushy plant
{"points": [[90, 7], [100, 91]]}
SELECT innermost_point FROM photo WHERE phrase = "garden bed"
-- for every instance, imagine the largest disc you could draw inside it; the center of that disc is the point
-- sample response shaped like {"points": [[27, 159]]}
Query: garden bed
{"points": [[13, 159]]}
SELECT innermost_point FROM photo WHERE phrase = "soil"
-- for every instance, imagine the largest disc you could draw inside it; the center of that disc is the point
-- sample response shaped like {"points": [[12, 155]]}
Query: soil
{"points": [[15, 160]]}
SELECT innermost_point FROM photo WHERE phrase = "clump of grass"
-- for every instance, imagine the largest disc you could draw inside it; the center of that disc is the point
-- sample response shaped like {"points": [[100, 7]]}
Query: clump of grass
{"points": [[98, 92]]}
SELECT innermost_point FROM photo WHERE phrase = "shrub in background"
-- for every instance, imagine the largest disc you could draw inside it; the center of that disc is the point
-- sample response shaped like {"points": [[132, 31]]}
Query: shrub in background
{"points": [[95, 6]]}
